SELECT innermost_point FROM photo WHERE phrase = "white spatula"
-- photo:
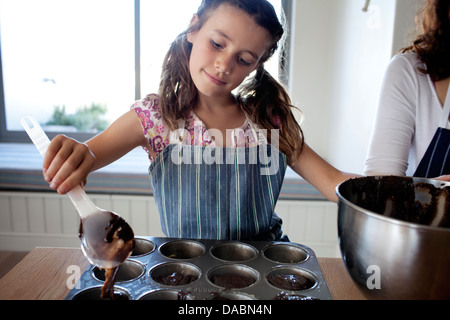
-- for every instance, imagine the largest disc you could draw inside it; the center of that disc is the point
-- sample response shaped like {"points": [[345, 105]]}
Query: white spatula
{"points": [[106, 239]]}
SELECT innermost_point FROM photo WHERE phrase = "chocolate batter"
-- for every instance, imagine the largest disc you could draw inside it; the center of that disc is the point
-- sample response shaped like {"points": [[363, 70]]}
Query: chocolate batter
{"points": [[108, 286], [182, 295], [292, 282], [232, 281], [108, 248], [175, 279], [284, 296], [400, 198], [106, 239], [216, 296]]}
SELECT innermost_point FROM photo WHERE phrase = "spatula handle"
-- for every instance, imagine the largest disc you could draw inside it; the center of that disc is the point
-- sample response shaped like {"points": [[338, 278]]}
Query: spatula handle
{"points": [[77, 195], [36, 134]]}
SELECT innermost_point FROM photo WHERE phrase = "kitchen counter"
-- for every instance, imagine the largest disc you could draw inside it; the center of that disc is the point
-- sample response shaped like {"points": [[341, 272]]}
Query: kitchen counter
{"points": [[43, 274]]}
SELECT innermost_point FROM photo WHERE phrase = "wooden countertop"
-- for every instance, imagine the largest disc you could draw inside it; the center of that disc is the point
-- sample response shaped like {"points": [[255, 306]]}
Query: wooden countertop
{"points": [[42, 275]]}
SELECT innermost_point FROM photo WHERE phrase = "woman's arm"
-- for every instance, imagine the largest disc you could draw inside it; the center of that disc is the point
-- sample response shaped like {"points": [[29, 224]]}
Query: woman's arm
{"points": [[68, 162], [323, 176], [394, 126]]}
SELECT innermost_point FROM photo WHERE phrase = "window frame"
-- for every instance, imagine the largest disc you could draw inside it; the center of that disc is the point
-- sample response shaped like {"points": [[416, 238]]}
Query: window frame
{"points": [[11, 136]]}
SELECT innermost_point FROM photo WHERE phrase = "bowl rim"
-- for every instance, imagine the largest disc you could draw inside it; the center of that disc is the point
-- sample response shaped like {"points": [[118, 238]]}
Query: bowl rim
{"points": [[413, 225]]}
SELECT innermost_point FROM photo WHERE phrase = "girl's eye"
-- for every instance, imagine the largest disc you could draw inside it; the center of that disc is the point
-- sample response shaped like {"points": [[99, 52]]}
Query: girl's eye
{"points": [[216, 45], [220, 47], [243, 62]]}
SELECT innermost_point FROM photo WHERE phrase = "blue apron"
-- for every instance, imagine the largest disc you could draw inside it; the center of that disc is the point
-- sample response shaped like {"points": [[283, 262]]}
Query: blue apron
{"points": [[218, 193], [436, 161]]}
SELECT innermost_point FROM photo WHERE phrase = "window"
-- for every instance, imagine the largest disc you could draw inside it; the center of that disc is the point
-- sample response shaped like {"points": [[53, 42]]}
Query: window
{"points": [[77, 65]]}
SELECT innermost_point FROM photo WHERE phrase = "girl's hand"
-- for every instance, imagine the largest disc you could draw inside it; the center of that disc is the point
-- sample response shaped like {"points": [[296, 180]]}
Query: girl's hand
{"points": [[67, 164], [443, 178]]}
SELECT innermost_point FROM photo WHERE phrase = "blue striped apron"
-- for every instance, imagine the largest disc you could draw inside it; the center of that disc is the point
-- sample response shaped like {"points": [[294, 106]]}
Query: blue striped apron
{"points": [[218, 193], [436, 161]]}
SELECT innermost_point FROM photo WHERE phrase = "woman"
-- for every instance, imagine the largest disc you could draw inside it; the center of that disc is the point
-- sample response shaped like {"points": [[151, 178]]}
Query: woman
{"points": [[410, 136]]}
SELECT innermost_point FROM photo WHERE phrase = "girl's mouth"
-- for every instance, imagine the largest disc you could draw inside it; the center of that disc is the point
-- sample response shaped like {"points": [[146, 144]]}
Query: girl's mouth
{"points": [[214, 80]]}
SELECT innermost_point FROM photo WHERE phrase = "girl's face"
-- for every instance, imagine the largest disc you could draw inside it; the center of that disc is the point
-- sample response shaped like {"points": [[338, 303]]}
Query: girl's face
{"points": [[226, 49]]}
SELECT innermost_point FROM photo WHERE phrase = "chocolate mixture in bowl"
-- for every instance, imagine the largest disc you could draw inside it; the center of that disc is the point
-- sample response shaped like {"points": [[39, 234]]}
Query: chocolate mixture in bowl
{"points": [[403, 199]]}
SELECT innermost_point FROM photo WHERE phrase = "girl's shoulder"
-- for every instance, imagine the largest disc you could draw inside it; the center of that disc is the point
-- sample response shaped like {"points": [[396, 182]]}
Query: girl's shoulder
{"points": [[148, 111], [148, 103]]}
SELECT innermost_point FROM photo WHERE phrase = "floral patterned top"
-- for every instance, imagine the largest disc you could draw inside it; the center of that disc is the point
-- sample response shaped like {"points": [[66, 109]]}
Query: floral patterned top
{"points": [[158, 134]]}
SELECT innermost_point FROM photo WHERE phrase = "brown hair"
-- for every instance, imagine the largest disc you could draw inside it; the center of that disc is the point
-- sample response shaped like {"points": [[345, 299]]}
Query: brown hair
{"points": [[263, 99], [433, 43]]}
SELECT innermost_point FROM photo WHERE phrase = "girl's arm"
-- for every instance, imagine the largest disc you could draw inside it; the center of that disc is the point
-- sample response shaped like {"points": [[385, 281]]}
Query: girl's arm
{"points": [[320, 173], [68, 162], [121, 137]]}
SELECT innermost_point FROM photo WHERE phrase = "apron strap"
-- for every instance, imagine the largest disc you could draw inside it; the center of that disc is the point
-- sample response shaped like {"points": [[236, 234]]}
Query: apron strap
{"points": [[258, 135], [436, 160], [446, 112]]}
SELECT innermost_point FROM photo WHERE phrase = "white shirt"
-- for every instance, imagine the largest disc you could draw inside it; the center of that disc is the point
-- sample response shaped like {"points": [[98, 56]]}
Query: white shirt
{"points": [[409, 113]]}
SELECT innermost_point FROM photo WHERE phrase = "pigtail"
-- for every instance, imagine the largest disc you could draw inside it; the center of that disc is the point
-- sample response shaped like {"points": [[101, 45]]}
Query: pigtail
{"points": [[268, 104], [177, 91]]}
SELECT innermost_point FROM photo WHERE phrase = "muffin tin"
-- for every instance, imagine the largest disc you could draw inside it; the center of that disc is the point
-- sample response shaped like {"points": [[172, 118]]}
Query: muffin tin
{"points": [[182, 269]]}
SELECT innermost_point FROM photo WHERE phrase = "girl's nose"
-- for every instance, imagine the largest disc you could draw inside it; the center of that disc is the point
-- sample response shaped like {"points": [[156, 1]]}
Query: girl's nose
{"points": [[224, 64]]}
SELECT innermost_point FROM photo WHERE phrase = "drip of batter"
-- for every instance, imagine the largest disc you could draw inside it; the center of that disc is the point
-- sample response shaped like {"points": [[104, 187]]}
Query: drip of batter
{"points": [[108, 286]]}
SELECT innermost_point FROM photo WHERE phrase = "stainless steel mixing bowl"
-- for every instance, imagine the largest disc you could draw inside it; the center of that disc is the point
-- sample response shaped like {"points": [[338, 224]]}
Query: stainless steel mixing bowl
{"points": [[386, 257]]}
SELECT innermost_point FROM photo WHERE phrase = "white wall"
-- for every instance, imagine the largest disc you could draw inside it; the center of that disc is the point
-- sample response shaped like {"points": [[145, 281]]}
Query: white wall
{"points": [[311, 64], [338, 57], [405, 29]]}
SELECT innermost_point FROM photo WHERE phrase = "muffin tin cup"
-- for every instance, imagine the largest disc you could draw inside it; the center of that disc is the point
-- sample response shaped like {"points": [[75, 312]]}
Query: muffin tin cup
{"points": [[166, 294], [234, 252], [93, 293], [175, 274], [142, 247], [128, 271], [233, 276], [291, 279], [187, 269], [182, 249]]}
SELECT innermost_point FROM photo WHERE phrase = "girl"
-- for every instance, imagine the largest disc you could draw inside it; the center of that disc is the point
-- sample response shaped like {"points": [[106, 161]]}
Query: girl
{"points": [[213, 172]]}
